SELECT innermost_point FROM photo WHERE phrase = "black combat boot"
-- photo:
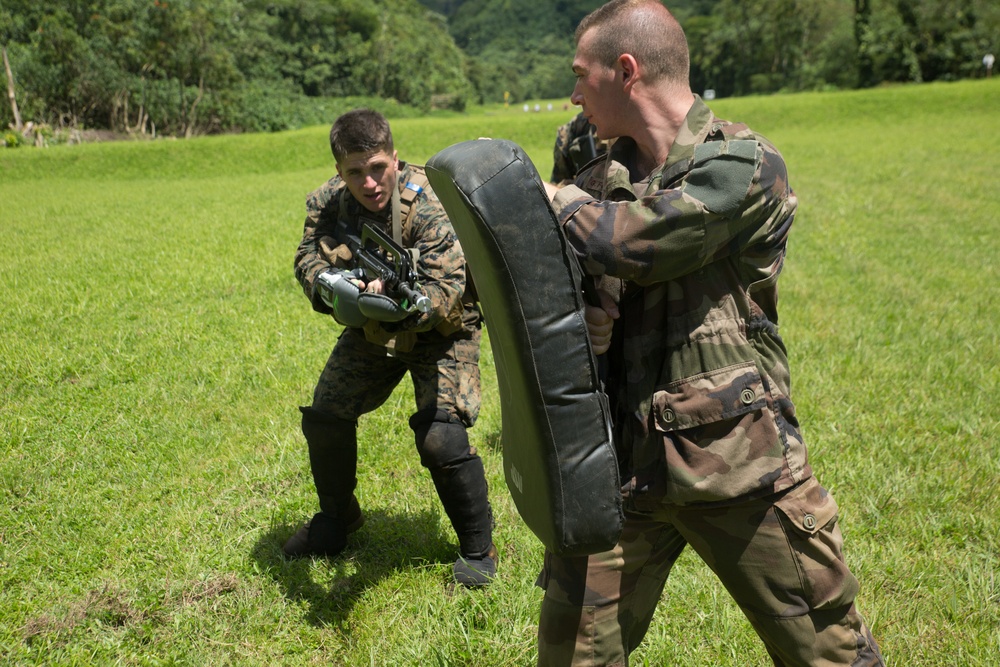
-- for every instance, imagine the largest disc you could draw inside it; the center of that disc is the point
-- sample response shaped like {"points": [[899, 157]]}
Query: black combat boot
{"points": [[333, 458], [460, 481], [463, 492]]}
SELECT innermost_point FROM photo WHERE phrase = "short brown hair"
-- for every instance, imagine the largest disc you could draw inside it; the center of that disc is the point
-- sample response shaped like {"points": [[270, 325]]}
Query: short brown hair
{"points": [[644, 29], [360, 131]]}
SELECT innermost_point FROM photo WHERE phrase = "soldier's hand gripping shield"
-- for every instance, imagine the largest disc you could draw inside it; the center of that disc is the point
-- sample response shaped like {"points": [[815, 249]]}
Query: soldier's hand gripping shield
{"points": [[559, 460]]}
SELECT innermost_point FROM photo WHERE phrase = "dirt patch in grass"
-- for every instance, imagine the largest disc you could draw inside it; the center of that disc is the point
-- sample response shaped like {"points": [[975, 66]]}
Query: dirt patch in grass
{"points": [[112, 608], [106, 606]]}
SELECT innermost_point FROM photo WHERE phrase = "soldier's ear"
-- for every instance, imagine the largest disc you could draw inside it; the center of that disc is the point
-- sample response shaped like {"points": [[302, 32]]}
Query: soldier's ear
{"points": [[628, 67]]}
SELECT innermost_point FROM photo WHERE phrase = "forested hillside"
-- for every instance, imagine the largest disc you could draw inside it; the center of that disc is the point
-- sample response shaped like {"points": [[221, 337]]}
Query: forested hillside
{"points": [[740, 47], [184, 67]]}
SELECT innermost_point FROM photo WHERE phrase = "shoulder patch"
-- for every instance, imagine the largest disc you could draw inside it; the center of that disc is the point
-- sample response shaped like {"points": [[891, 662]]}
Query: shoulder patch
{"points": [[594, 184], [722, 173]]}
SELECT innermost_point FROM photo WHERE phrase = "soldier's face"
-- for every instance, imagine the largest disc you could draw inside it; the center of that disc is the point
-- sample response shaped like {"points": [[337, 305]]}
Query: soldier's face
{"points": [[370, 177], [598, 90]]}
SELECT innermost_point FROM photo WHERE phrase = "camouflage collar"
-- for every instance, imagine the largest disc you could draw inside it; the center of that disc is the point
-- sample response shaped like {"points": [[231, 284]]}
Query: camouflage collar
{"points": [[698, 124], [696, 127]]}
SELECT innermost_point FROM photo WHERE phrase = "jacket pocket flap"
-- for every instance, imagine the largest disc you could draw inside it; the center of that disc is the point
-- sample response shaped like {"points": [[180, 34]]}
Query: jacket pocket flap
{"points": [[709, 397]]}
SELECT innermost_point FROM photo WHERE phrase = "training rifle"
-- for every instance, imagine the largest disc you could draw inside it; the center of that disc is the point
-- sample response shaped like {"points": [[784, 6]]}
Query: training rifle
{"points": [[379, 257]]}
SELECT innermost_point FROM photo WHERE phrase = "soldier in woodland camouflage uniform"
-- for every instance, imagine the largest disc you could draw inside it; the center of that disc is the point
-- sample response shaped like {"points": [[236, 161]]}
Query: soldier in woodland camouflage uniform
{"points": [[575, 146], [685, 225], [440, 348]]}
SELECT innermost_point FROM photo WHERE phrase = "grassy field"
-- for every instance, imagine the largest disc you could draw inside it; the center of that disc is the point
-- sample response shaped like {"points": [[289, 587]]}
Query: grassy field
{"points": [[154, 348]]}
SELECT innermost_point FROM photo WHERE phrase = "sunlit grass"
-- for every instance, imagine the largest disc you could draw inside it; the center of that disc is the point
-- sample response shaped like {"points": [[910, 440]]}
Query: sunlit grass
{"points": [[154, 348]]}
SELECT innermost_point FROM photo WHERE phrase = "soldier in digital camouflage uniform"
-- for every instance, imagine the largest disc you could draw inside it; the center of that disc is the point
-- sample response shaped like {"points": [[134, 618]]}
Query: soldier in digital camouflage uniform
{"points": [[575, 146], [378, 345], [685, 224]]}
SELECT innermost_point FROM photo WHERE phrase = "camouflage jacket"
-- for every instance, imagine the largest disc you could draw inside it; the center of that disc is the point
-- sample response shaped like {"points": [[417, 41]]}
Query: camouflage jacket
{"points": [[699, 376], [440, 266]]}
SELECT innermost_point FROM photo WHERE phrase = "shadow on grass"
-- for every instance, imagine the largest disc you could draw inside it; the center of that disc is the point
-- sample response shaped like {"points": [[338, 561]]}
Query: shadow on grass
{"points": [[386, 544]]}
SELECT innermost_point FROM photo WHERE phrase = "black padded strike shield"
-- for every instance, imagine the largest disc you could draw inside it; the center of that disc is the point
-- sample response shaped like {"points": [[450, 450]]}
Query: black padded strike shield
{"points": [[558, 456]]}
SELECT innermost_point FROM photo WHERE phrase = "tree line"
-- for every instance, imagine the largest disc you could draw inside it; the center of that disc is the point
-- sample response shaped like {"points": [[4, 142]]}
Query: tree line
{"points": [[184, 67], [744, 47]]}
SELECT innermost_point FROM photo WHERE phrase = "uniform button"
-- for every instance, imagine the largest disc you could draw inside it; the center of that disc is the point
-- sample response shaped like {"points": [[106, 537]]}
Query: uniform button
{"points": [[809, 521], [748, 396], [668, 415]]}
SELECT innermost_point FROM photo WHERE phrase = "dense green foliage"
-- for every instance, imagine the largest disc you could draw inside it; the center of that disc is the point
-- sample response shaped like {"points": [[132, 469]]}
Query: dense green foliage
{"points": [[762, 46], [183, 67], [522, 47]]}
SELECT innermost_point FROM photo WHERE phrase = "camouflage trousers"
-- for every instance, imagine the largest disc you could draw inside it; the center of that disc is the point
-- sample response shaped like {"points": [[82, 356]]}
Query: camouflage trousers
{"points": [[779, 557], [360, 376]]}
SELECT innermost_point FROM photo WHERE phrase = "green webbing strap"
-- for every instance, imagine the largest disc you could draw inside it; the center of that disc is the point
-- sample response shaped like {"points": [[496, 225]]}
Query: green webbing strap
{"points": [[397, 221]]}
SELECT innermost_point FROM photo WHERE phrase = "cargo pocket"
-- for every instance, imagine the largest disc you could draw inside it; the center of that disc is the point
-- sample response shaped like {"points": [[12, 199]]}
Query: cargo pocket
{"points": [[719, 435], [808, 515]]}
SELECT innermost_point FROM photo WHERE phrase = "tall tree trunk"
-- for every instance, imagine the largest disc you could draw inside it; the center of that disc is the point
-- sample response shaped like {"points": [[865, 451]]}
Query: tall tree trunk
{"points": [[193, 112], [10, 92], [862, 18]]}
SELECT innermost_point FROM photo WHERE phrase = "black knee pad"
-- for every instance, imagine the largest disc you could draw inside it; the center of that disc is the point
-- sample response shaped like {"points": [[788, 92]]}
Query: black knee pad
{"points": [[322, 426], [441, 439]]}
